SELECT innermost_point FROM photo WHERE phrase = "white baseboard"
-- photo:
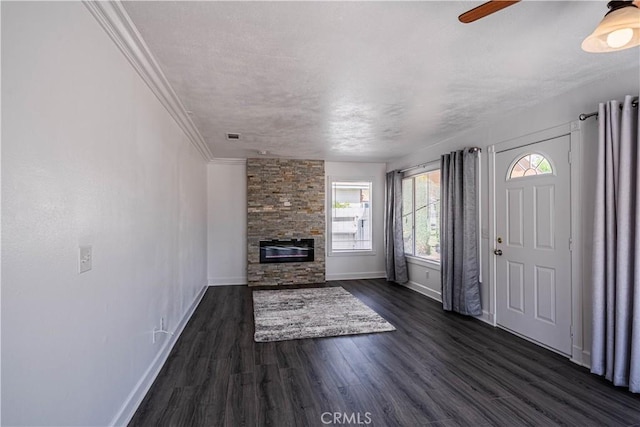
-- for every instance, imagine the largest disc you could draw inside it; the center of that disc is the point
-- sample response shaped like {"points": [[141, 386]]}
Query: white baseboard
{"points": [[487, 317], [437, 295], [581, 357], [128, 409], [424, 290], [225, 281], [586, 359], [357, 276], [576, 355]]}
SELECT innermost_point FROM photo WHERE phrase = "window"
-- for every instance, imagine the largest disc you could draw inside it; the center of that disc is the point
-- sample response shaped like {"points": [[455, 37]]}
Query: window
{"points": [[421, 215], [350, 225], [530, 165]]}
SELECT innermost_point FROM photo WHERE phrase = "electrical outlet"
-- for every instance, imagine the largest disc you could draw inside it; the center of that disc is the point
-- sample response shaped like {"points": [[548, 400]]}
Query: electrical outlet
{"points": [[85, 259]]}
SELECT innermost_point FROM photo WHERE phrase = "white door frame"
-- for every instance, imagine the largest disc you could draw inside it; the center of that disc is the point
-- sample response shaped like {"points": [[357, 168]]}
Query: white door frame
{"points": [[578, 354]]}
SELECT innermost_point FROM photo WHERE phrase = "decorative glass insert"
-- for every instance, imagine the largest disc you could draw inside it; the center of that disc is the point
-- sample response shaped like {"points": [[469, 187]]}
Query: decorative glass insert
{"points": [[530, 165]]}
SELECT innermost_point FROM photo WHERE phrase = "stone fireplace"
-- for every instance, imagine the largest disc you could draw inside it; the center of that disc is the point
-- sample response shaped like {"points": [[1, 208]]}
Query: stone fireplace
{"points": [[285, 222]]}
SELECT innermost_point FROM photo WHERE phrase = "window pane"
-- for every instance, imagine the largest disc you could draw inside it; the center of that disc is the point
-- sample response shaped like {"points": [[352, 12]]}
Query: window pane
{"points": [[407, 215], [434, 215], [535, 160], [421, 216], [427, 215], [544, 167], [351, 216], [517, 171]]}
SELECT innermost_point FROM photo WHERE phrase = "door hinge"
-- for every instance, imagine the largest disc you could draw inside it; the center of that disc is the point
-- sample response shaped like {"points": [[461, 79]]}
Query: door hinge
{"points": [[571, 331], [570, 245], [570, 157]]}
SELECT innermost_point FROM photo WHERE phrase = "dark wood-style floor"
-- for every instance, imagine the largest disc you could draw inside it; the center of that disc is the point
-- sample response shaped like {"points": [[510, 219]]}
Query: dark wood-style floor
{"points": [[436, 369]]}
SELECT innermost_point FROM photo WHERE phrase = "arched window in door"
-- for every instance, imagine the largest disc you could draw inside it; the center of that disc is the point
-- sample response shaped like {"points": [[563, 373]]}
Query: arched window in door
{"points": [[530, 164]]}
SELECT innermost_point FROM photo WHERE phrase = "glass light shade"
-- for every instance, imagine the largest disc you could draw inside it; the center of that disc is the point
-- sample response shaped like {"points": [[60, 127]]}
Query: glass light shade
{"points": [[618, 30], [619, 38]]}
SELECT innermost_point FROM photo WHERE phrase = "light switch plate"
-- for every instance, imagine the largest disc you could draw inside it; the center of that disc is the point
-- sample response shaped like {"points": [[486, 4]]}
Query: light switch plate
{"points": [[85, 259]]}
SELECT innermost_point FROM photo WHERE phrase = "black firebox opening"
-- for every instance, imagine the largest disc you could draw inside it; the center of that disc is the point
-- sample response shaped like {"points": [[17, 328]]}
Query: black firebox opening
{"points": [[294, 250]]}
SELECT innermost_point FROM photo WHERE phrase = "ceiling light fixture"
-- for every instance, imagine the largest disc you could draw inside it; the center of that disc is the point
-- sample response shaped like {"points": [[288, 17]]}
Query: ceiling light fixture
{"points": [[618, 30]]}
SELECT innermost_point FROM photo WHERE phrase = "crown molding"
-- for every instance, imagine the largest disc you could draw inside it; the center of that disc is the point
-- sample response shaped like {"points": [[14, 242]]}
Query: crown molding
{"points": [[114, 19], [221, 161]]}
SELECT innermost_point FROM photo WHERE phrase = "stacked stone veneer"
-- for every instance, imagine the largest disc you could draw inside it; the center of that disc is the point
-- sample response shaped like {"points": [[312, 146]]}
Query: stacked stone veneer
{"points": [[285, 200]]}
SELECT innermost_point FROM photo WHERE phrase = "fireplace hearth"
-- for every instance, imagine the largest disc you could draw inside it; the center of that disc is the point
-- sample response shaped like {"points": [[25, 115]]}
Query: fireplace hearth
{"points": [[280, 251]]}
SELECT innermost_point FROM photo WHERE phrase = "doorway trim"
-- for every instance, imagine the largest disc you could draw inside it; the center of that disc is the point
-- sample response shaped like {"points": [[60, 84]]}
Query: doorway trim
{"points": [[579, 355]]}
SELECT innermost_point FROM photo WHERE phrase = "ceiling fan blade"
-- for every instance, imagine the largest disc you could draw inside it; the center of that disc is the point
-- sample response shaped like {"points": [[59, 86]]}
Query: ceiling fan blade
{"points": [[485, 9]]}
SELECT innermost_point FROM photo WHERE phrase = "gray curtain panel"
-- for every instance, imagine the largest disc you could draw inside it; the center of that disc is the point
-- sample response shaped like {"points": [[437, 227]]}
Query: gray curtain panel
{"points": [[615, 351], [396, 264], [459, 233]]}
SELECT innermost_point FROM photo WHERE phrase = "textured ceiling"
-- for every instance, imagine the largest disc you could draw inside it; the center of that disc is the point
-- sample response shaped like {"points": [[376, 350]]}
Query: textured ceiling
{"points": [[364, 81]]}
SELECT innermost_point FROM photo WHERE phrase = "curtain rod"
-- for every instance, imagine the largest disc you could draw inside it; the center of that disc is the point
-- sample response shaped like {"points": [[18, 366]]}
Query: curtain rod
{"points": [[422, 165], [584, 116]]}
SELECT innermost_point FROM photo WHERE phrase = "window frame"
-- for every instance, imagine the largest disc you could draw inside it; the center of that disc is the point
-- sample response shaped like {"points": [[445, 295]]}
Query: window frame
{"points": [[329, 239], [412, 258]]}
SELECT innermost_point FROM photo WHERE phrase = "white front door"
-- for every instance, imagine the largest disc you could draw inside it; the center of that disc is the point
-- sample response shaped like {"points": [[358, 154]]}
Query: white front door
{"points": [[533, 228]]}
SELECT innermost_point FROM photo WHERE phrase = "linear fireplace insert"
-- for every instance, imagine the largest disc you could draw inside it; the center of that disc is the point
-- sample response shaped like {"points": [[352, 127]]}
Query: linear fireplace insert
{"points": [[294, 250]]}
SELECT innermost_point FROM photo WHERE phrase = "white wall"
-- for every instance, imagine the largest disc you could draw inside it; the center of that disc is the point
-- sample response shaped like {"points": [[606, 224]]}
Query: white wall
{"points": [[90, 157], [227, 222], [341, 267], [424, 277], [563, 109]]}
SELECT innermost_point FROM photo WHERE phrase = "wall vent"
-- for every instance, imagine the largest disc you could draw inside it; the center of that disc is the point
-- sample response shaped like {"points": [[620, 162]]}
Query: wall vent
{"points": [[233, 136]]}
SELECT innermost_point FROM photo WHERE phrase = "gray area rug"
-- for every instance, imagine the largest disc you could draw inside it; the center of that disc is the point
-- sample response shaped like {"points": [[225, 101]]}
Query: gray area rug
{"points": [[290, 314]]}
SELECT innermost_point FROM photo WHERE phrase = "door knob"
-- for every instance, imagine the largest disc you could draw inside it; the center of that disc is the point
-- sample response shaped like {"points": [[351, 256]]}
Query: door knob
{"points": [[498, 252]]}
